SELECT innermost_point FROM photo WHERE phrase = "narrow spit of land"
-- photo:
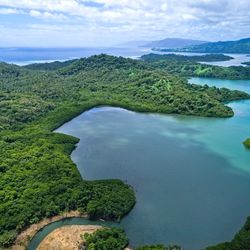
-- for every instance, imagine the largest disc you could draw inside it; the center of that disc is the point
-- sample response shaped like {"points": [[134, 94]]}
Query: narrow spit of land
{"points": [[24, 237], [67, 237]]}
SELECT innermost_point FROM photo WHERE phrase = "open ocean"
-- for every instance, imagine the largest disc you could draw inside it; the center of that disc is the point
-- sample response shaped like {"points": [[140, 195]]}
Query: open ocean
{"points": [[23, 56]]}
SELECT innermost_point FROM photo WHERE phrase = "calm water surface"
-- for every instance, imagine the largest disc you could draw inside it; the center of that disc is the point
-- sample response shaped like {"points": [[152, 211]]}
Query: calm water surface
{"points": [[24, 56], [191, 175], [237, 60]]}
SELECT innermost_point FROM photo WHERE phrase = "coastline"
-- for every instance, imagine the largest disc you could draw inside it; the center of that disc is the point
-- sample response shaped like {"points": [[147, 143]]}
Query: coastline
{"points": [[67, 237], [26, 235]]}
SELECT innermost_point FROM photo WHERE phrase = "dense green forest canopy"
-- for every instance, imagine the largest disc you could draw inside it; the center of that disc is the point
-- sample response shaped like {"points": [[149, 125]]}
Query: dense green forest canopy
{"points": [[239, 46], [106, 239], [49, 66], [187, 66], [116, 239], [195, 58], [38, 178]]}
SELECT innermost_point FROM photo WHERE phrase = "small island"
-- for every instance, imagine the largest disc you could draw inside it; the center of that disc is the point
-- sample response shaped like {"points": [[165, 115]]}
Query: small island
{"points": [[246, 63], [200, 58], [247, 143]]}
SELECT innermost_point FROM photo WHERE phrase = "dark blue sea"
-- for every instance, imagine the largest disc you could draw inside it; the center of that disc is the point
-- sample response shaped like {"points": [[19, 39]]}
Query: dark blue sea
{"points": [[23, 56]]}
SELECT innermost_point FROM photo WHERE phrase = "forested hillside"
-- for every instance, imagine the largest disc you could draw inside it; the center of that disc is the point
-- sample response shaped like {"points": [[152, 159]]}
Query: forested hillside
{"points": [[239, 46], [38, 178], [184, 58], [188, 66], [172, 43]]}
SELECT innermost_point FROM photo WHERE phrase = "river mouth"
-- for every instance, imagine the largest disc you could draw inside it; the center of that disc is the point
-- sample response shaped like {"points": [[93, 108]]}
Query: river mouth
{"points": [[191, 174], [41, 234]]}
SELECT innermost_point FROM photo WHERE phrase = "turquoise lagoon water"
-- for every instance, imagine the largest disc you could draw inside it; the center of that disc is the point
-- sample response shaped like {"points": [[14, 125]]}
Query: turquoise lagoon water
{"points": [[191, 175]]}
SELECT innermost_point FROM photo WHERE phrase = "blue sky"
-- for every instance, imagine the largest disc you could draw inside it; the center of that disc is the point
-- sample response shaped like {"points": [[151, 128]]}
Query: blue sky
{"points": [[107, 22]]}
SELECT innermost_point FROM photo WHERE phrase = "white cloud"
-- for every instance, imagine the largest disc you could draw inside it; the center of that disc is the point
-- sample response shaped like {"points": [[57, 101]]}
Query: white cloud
{"points": [[139, 19], [8, 11], [48, 15], [35, 13]]}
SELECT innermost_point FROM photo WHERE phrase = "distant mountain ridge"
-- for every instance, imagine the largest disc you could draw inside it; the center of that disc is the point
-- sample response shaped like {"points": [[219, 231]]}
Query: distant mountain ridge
{"points": [[170, 43], [134, 44], [173, 43], [239, 46]]}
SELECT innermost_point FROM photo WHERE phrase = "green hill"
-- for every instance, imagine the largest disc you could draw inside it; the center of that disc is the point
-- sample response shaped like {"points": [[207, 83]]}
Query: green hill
{"points": [[37, 176], [182, 58], [240, 46], [49, 66], [188, 66], [173, 43]]}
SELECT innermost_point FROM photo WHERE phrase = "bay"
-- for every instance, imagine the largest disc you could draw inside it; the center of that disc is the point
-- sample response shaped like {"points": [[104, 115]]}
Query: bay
{"points": [[191, 174]]}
